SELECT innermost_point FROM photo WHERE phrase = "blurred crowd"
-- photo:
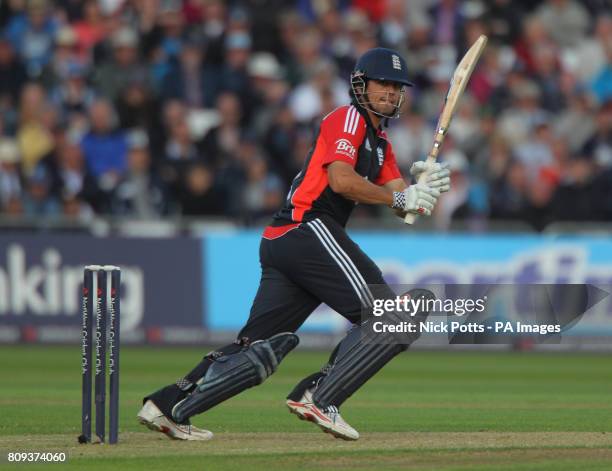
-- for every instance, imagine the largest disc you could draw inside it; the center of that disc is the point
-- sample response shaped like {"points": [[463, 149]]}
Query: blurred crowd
{"points": [[157, 108]]}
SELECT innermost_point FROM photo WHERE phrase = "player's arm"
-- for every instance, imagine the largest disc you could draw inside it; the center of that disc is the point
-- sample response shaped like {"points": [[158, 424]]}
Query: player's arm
{"points": [[398, 184], [345, 181], [419, 198]]}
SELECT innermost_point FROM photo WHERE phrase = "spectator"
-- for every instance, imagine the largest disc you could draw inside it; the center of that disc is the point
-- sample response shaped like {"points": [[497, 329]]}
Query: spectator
{"points": [[72, 96], [137, 106], [447, 22], [180, 145], [32, 36], [113, 76], [517, 121], [39, 198], [214, 28], [263, 191], [263, 22], [76, 209], [573, 198], [234, 76], [306, 100], [35, 132], [599, 145], [566, 21], [362, 36], [170, 24], [189, 79], [589, 56], [172, 111], [601, 85], [140, 193], [90, 30], [223, 140], [64, 57], [12, 75], [504, 19], [270, 89], [305, 54], [281, 143], [70, 175], [536, 152], [509, 193], [546, 77], [291, 26], [394, 28], [538, 210], [534, 34], [104, 146], [576, 122], [11, 186], [488, 76], [198, 196]]}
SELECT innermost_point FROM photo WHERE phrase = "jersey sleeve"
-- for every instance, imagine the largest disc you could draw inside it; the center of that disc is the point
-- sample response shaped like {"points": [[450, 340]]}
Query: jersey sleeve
{"points": [[343, 131], [389, 170]]}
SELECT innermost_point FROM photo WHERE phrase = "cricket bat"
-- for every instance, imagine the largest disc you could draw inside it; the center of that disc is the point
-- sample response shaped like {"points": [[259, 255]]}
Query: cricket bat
{"points": [[461, 76]]}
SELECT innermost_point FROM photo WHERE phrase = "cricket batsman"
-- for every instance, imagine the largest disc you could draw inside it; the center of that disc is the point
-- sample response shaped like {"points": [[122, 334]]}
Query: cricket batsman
{"points": [[307, 258]]}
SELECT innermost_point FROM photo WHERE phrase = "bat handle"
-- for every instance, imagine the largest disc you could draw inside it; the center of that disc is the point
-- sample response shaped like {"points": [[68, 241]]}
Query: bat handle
{"points": [[410, 218]]}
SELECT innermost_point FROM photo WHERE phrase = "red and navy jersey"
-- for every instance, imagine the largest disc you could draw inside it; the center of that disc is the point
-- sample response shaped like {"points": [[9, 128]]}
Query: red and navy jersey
{"points": [[344, 135]]}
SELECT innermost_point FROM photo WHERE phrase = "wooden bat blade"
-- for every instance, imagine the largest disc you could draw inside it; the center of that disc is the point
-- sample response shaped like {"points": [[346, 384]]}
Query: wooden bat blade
{"points": [[460, 78]]}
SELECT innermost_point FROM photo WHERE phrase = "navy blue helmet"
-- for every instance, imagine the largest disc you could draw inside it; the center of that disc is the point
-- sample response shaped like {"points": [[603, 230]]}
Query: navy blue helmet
{"points": [[379, 64]]}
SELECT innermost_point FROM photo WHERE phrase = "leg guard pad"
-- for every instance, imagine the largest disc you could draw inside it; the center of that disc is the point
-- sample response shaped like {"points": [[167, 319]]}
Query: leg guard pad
{"points": [[232, 374], [359, 357], [355, 363]]}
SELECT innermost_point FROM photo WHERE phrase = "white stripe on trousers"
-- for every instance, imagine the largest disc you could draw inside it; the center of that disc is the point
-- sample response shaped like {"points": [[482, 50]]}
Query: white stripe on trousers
{"points": [[356, 272], [343, 261], [340, 264]]}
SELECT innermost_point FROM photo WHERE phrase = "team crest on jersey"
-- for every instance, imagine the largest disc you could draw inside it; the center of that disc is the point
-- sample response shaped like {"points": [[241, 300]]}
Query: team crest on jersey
{"points": [[396, 62], [344, 147], [381, 155]]}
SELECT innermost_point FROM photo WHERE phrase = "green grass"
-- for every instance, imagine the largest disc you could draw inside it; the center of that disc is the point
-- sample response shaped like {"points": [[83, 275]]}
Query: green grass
{"points": [[424, 411]]}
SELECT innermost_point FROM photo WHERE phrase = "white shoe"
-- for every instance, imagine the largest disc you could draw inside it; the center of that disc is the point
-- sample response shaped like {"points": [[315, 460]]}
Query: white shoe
{"points": [[329, 419], [153, 418]]}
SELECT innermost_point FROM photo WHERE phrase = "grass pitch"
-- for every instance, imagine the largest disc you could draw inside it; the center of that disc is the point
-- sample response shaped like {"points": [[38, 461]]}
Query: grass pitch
{"points": [[424, 411]]}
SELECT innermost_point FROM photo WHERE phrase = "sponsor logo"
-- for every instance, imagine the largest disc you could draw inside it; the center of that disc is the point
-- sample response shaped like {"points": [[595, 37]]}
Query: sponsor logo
{"points": [[367, 145], [396, 62], [381, 155], [50, 288], [344, 147]]}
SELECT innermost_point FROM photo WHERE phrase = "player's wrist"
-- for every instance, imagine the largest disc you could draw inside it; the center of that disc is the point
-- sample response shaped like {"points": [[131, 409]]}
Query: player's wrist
{"points": [[399, 200]]}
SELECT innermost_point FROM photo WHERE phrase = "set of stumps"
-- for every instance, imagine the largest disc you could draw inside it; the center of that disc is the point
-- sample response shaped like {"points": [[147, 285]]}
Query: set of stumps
{"points": [[101, 288]]}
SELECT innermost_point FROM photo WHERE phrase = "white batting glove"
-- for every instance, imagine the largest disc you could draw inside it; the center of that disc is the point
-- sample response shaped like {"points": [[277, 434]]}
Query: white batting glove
{"points": [[416, 199], [438, 174]]}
